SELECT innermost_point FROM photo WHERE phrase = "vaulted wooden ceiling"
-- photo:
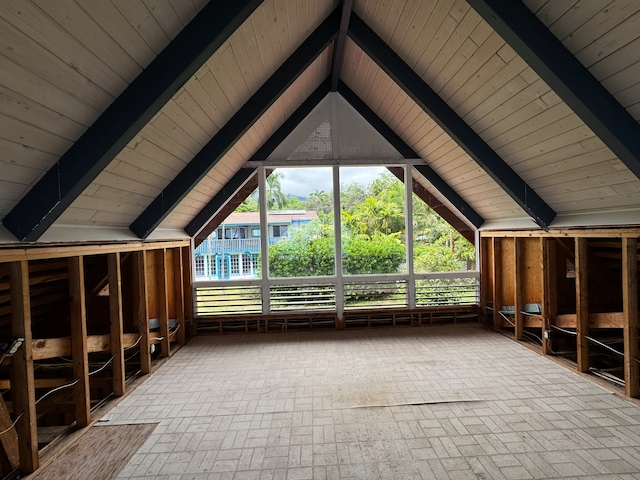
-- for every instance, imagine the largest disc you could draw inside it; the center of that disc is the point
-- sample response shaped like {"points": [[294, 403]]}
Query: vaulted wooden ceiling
{"points": [[124, 119]]}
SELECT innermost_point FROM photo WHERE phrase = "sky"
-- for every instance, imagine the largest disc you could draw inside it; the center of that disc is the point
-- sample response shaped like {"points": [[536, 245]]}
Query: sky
{"points": [[302, 181]]}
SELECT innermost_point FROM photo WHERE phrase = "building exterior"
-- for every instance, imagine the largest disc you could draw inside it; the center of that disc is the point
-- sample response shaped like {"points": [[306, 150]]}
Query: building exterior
{"points": [[232, 251]]}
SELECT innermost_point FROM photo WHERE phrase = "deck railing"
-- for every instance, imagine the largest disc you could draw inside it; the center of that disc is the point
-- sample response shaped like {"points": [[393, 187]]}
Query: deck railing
{"points": [[320, 293]]}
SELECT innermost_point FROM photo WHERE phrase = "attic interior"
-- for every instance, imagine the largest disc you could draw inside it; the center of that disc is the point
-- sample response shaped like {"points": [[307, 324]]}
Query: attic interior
{"points": [[131, 130]]}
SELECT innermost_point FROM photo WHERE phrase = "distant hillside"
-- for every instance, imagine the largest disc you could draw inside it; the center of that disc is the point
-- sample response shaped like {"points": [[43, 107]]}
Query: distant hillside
{"points": [[302, 199]]}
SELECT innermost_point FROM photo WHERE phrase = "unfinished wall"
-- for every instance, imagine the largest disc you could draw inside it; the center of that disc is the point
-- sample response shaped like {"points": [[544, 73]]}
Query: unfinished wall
{"points": [[89, 317], [575, 293]]}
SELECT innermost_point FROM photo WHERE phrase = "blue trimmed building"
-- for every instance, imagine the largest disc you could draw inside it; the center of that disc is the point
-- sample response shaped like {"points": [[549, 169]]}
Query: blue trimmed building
{"points": [[232, 251]]}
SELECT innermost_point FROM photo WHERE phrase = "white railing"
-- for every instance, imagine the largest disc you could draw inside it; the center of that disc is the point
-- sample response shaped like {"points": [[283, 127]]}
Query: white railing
{"points": [[319, 293]]}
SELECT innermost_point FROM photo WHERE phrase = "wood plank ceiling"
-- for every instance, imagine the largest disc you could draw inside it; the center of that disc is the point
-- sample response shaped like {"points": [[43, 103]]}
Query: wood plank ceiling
{"points": [[63, 63]]}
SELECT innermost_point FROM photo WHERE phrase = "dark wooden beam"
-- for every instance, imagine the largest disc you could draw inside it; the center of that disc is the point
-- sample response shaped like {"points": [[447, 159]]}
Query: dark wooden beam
{"points": [[234, 192], [407, 152], [450, 122], [237, 126], [566, 76], [125, 117], [341, 42]]}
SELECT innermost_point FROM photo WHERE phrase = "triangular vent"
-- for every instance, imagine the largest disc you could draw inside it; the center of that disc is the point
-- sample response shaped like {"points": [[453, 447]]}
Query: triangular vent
{"points": [[315, 137], [318, 145]]}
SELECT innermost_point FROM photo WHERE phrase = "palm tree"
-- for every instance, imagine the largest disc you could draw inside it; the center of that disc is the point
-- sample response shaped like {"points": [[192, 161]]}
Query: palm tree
{"points": [[276, 200]]}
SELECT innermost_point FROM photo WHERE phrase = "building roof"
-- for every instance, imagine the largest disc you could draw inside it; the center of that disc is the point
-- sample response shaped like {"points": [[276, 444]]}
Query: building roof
{"points": [[127, 120], [275, 218]]}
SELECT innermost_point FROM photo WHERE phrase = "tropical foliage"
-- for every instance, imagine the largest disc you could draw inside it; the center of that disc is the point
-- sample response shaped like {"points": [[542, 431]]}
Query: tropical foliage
{"points": [[373, 232]]}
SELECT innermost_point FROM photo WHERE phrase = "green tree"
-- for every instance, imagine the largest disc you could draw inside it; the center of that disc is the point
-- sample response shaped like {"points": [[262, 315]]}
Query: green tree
{"points": [[276, 200], [320, 201]]}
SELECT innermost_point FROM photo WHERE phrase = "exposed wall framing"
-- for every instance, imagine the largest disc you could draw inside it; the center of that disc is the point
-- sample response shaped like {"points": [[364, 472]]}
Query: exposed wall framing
{"points": [[89, 317], [574, 293]]}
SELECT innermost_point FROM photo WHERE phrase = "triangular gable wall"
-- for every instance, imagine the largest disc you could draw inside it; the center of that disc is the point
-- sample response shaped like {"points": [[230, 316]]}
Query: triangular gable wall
{"points": [[315, 137]]}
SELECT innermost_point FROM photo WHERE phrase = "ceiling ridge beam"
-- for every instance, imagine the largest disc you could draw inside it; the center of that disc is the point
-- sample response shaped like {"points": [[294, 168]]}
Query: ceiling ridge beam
{"points": [[566, 76], [125, 117], [219, 201], [237, 126], [450, 122], [341, 43], [407, 152]]}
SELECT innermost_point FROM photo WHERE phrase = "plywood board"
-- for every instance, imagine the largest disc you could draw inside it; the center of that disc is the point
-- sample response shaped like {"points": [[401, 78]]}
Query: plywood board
{"points": [[99, 454]]}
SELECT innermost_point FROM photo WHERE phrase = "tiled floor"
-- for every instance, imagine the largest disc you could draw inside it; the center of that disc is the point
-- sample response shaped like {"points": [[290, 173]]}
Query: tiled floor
{"points": [[455, 402]]}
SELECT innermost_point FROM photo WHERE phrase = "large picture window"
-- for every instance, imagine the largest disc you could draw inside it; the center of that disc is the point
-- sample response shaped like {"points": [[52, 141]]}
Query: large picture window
{"points": [[388, 253]]}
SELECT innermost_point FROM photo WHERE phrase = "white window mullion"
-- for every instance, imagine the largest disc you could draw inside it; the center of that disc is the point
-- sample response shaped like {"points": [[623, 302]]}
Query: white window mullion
{"points": [[408, 195], [264, 240], [337, 225]]}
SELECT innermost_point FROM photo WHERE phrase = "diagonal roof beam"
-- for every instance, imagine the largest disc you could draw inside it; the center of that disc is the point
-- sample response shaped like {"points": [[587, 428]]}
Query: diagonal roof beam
{"points": [[450, 122], [341, 42], [237, 126], [200, 222], [125, 117], [407, 152], [235, 191], [573, 83]]}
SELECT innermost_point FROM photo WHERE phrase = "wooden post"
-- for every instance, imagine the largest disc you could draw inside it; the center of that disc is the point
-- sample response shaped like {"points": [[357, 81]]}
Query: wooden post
{"points": [[178, 285], [549, 307], [22, 383], [117, 329], [517, 289], [162, 301], [582, 304], [497, 298], [187, 288], [630, 312], [141, 309], [81, 391]]}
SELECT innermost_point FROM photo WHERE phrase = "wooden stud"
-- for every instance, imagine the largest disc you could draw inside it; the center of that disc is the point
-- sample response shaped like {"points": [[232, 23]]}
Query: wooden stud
{"points": [[517, 288], [549, 307], [23, 387], [630, 312], [141, 310], [117, 329], [178, 285], [162, 303], [81, 391], [582, 304], [10, 454], [497, 301]]}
